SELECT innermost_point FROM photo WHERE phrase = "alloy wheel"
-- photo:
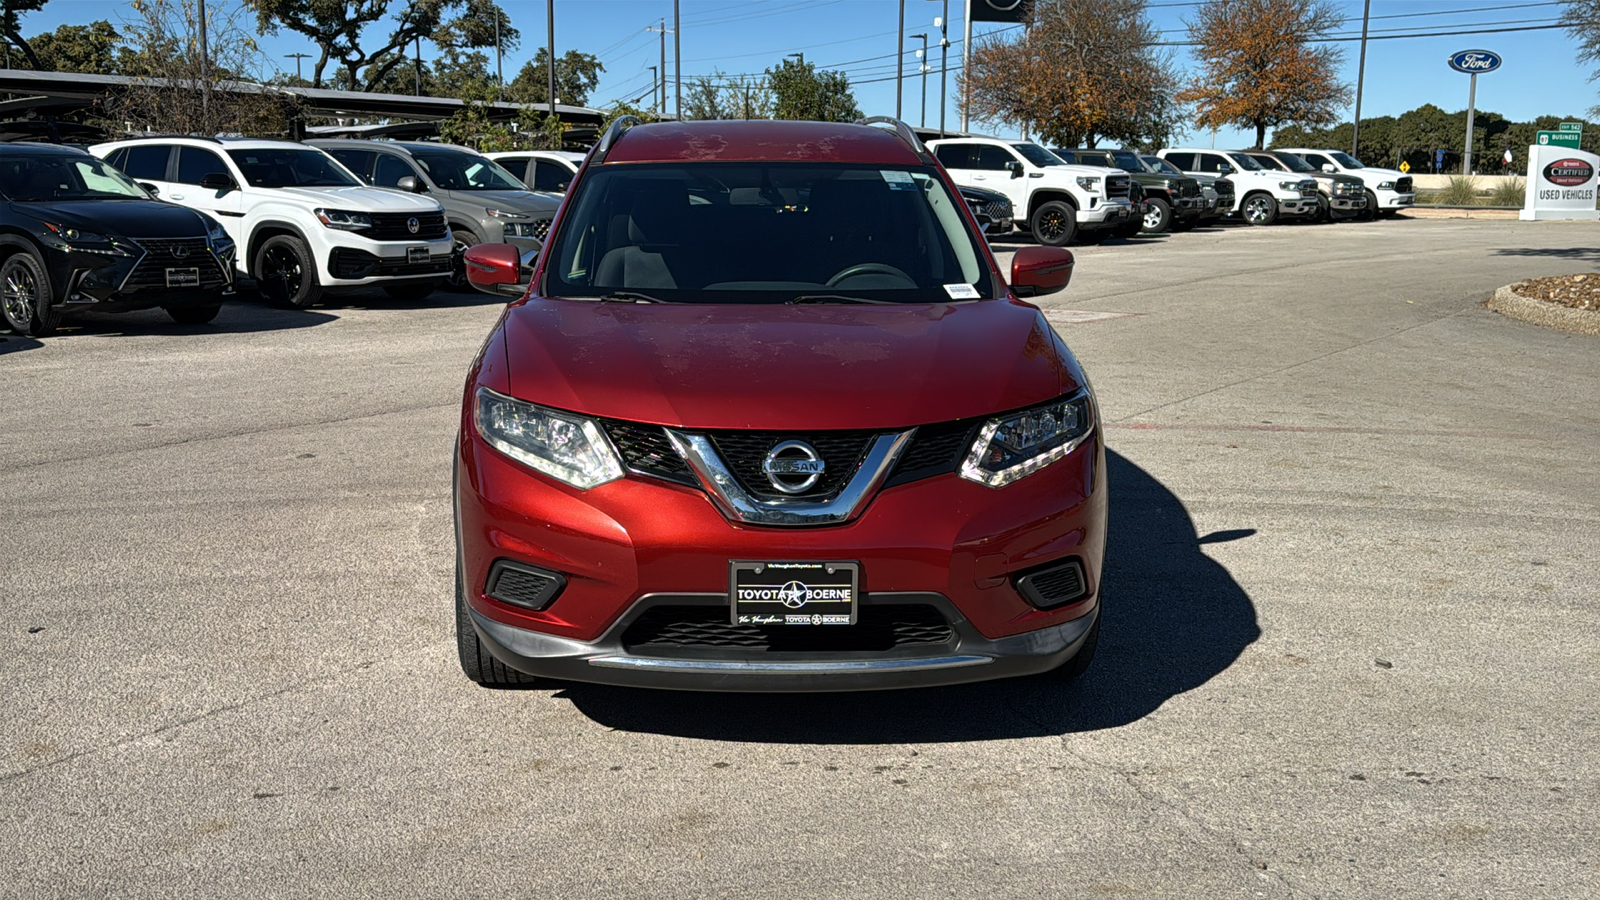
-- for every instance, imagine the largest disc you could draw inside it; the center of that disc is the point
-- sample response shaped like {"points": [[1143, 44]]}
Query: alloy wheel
{"points": [[1052, 224], [1256, 209], [282, 275], [1152, 218], [19, 296]]}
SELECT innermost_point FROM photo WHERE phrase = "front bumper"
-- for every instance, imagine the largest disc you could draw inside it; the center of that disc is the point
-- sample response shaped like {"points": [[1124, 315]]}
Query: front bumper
{"points": [[1106, 213], [968, 656], [1395, 200], [1347, 202], [1298, 206], [84, 280], [626, 545], [356, 261]]}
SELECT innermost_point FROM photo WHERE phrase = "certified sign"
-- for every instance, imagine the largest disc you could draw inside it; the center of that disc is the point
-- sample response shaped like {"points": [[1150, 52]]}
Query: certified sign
{"points": [[1568, 172], [1475, 62]]}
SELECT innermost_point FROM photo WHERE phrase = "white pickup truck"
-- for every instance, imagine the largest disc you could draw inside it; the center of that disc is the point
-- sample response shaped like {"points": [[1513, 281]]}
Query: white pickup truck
{"points": [[1261, 195], [1056, 200], [1388, 190]]}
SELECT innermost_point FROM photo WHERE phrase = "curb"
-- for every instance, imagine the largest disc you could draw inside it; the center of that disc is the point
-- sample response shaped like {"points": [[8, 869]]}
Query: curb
{"points": [[1459, 212], [1513, 305]]}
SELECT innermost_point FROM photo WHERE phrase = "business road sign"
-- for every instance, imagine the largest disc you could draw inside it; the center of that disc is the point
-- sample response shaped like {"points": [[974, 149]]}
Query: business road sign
{"points": [[1569, 139]]}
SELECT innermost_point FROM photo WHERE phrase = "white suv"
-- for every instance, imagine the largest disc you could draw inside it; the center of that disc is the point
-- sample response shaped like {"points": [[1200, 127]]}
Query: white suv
{"points": [[1058, 200], [302, 222], [1261, 195], [548, 171], [1388, 190]]}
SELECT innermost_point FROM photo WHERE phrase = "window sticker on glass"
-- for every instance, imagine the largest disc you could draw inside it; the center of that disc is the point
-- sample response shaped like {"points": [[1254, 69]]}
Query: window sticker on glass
{"points": [[898, 180], [961, 291]]}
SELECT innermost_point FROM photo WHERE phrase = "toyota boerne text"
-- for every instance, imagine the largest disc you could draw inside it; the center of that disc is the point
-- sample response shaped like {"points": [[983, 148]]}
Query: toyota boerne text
{"points": [[765, 416]]}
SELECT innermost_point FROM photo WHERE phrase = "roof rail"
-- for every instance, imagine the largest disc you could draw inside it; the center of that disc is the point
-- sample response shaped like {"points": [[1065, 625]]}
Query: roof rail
{"points": [[613, 133], [903, 130], [167, 137]]}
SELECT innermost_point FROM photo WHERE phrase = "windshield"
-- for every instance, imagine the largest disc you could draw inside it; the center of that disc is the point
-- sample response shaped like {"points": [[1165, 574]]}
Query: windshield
{"points": [[1244, 162], [1269, 162], [1158, 164], [744, 232], [1038, 155], [1346, 160], [275, 167], [1127, 160], [1295, 163], [456, 171], [42, 179]]}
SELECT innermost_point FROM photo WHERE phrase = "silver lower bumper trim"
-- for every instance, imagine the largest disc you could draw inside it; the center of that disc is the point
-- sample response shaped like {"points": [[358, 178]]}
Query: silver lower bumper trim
{"points": [[734, 667]]}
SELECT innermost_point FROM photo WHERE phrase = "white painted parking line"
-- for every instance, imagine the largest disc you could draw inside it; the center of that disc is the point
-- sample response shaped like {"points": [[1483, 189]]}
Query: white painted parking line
{"points": [[1083, 316]]}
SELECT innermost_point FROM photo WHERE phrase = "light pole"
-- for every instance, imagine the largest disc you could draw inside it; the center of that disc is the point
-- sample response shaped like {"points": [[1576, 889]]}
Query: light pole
{"points": [[205, 72], [677, 64], [297, 57], [664, 32], [943, 24], [419, 66], [899, 59], [550, 16], [1361, 76], [655, 74], [922, 66], [499, 71]]}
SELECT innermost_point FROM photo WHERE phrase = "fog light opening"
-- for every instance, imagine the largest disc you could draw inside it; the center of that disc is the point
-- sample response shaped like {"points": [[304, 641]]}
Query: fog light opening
{"points": [[522, 585], [1053, 584]]}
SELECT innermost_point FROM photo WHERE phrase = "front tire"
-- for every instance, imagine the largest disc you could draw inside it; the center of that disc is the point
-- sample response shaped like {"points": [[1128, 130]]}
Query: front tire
{"points": [[1324, 212], [286, 272], [25, 295], [1054, 223], [1157, 216], [1259, 209], [193, 315], [1370, 214], [460, 240]]}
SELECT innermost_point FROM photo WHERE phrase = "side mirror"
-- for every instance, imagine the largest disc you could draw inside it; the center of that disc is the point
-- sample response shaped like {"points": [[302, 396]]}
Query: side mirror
{"points": [[495, 269], [216, 181], [154, 191], [1015, 168], [1036, 271], [410, 183], [1225, 169], [1328, 167]]}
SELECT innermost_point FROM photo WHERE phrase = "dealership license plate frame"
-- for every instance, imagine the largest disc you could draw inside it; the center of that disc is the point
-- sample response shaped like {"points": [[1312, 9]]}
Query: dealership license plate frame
{"points": [[777, 574], [188, 277], [415, 255]]}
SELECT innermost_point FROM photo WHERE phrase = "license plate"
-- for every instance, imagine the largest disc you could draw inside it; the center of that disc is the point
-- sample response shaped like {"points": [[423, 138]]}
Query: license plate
{"points": [[183, 278], [794, 593], [416, 254]]}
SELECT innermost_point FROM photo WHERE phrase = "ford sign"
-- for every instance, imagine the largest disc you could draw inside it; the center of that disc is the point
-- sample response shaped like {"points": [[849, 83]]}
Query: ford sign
{"points": [[1475, 62]]}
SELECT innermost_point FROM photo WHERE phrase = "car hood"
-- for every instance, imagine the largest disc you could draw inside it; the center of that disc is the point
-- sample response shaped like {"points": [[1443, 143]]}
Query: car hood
{"points": [[513, 201], [363, 199], [1333, 177], [1380, 174], [125, 218], [784, 367]]}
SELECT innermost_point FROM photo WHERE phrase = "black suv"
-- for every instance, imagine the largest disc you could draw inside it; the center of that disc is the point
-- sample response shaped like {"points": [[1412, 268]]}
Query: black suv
{"points": [[76, 234]]}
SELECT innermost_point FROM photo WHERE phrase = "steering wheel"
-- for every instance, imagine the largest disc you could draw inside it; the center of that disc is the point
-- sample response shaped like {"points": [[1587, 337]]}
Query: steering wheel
{"points": [[869, 269]]}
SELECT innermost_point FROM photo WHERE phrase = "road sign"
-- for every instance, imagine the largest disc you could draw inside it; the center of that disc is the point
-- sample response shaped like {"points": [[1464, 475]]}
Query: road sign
{"points": [[1405, 166], [1572, 126], [1559, 139]]}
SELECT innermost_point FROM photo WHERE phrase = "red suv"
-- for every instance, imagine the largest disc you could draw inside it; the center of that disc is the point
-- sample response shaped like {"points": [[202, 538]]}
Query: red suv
{"points": [[767, 417]]}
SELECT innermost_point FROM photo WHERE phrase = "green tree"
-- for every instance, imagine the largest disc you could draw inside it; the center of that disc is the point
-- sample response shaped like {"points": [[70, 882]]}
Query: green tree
{"points": [[577, 75], [11, 13], [1261, 65], [88, 48], [1582, 18], [799, 91]]}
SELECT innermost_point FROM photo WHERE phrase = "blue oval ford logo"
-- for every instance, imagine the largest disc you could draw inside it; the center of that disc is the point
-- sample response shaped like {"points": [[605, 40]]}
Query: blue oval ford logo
{"points": [[1475, 62]]}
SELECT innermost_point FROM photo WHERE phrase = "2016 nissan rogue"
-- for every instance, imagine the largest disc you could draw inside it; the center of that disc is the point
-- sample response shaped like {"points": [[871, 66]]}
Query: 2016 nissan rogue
{"points": [[767, 417]]}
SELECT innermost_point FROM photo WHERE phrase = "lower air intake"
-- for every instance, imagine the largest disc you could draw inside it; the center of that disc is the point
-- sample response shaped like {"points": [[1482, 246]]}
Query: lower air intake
{"points": [[1054, 584], [521, 585]]}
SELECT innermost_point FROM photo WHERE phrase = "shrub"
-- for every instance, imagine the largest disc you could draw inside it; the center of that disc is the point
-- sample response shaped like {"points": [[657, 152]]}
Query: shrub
{"points": [[1509, 192], [1462, 190]]}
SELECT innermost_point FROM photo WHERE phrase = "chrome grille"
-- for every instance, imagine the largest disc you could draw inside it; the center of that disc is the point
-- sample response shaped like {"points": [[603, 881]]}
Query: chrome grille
{"points": [[744, 452], [1223, 187]]}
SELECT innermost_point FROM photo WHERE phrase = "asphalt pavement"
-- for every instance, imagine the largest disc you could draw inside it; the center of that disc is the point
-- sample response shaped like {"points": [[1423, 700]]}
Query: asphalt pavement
{"points": [[1349, 650]]}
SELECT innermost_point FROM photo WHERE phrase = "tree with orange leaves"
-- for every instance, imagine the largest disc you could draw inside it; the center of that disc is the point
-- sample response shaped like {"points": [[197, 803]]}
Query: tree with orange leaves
{"points": [[1080, 73], [1261, 66]]}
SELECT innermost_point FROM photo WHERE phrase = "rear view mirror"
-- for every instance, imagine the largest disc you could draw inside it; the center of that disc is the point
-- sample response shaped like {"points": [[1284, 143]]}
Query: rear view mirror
{"points": [[410, 183], [216, 181], [495, 269], [1036, 271]]}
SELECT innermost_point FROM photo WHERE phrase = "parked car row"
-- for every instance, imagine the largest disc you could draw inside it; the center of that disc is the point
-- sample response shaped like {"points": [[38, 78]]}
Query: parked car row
{"points": [[175, 222], [1059, 195]]}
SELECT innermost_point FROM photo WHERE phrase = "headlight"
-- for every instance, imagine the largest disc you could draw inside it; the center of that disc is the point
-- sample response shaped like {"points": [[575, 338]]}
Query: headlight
{"points": [[1289, 185], [67, 237], [1385, 185], [1089, 182], [1019, 445], [344, 220], [568, 448], [506, 214]]}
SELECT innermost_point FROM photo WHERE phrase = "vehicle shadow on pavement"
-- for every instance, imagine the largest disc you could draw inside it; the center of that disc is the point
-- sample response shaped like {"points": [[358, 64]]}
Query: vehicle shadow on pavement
{"points": [[1174, 619], [13, 343], [1584, 254], [236, 318], [443, 298]]}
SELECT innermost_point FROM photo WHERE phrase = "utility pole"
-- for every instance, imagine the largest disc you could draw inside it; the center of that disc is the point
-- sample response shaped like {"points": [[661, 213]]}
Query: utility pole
{"points": [[1361, 75], [550, 16], [297, 57], [499, 70], [419, 66], [899, 58], [943, 24], [664, 31], [677, 64], [922, 66], [205, 72], [966, 50]]}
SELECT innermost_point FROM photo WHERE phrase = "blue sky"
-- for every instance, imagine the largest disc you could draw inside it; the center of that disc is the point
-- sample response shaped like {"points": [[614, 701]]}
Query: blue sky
{"points": [[1540, 76]]}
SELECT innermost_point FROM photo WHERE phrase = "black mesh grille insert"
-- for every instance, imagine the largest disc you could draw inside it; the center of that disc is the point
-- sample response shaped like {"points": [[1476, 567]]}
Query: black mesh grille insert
{"points": [[162, 254], [878, 628], [1403, 185], [1054, 584], [934, 450], [646, 450], [744, 452], [396, 227], [523, 585]]}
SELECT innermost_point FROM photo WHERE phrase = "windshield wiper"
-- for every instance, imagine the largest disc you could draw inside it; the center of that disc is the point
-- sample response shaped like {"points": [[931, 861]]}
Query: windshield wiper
{"points": [[629, 297], [835, 298]]}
